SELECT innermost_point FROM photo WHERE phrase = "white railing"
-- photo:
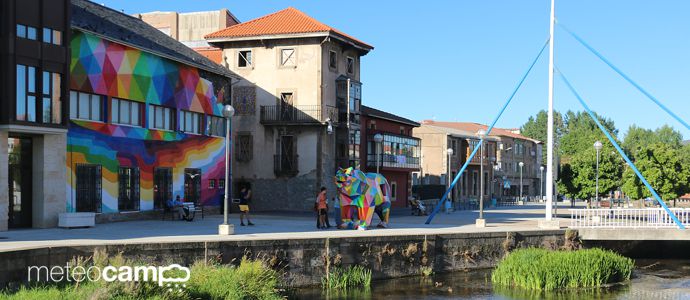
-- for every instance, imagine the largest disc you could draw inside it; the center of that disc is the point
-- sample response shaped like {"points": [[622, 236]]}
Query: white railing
{"points": [[627, 218]]}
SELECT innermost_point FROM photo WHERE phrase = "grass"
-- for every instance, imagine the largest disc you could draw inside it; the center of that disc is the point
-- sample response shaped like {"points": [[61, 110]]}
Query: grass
{"points": [[251, 279], [344, 279], [539, 269]]}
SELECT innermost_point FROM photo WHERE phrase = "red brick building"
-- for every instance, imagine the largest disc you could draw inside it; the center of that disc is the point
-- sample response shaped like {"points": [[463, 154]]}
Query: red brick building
{"points": [[399, 153]]}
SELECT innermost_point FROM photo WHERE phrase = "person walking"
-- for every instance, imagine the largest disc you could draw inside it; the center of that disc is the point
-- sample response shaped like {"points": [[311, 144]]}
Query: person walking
{"points": [[245, 195], [321, 206]]}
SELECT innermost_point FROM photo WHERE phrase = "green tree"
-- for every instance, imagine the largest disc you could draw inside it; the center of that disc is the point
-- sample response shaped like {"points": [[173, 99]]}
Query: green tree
{"points": [[665, 167], [536, 128], [584, 164], [637, 138]]}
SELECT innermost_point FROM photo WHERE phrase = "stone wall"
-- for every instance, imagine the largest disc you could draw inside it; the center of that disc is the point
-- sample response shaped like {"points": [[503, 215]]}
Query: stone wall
{"points": [[306, 261]]}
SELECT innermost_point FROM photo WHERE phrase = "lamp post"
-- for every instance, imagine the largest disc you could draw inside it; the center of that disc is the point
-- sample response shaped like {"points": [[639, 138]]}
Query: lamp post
{"points": [[541, 183], [481, 222], [378, 138], [521, 165], [225, 228], [597, 146], [450, 153]]}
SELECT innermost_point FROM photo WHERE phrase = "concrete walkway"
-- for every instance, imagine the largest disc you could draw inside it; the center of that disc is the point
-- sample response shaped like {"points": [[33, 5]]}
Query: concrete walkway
{"points": [[269, 227]]}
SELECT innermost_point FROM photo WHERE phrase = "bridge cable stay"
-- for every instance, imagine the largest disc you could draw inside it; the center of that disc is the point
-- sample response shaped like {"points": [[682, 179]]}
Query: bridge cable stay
{"points": [[618, 148], [628, 79], [488, 131]]}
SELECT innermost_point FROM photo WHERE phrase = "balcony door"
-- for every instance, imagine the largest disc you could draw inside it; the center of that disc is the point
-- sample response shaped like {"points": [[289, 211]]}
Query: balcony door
{"points": [[285, 106]]}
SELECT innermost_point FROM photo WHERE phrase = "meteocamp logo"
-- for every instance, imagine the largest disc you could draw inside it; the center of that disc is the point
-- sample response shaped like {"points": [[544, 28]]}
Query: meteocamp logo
{"points": [[172, 276]]}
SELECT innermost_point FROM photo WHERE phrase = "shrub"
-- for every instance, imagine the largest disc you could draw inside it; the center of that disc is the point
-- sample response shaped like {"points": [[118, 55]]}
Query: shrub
{"points": [[539, 269], [252, 279], [343, 279]]}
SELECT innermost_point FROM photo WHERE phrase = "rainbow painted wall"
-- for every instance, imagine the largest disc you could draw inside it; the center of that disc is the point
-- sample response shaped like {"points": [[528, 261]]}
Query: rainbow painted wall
{"points": [[107, 68]]}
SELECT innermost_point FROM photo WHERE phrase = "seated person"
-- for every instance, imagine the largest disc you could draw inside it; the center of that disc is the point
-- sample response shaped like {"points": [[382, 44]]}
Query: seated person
{"points": [[182, 210]]}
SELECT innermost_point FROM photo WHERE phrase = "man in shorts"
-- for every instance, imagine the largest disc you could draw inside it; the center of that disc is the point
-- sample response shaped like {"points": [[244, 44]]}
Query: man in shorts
{"points": [[245, 195]]}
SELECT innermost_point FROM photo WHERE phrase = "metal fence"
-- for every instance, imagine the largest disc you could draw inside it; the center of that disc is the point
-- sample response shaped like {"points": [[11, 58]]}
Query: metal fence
{"points": [[627, 218], [287, 114]]}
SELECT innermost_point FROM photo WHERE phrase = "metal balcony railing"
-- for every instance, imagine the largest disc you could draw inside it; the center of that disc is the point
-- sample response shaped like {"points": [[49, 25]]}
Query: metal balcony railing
{"points": [[393, 161], [297, 114], [284, 165]]}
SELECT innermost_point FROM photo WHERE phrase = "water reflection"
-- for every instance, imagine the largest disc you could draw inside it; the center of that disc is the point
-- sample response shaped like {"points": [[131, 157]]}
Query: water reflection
{"points": [[653, 279]]}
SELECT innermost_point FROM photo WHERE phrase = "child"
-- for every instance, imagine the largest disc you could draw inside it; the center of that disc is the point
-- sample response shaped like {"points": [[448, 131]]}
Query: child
{"points": [[321, 206]]}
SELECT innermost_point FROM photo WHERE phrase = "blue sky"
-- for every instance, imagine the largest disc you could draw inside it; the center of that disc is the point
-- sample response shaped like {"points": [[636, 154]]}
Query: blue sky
{"points": [[459, 60]]}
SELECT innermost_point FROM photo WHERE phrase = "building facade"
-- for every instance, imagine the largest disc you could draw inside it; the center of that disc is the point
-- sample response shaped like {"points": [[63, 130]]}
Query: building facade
{"points": [[397, 156], [145, 117], [189, 28], [34, 61], [298, 105], [440, 168], [108, 115], [506, 149]]}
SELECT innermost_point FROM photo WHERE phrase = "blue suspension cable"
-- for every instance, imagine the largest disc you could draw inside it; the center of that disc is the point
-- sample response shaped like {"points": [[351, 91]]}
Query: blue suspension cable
{"points": [[628, 79], [615, 144], [479, 145]]}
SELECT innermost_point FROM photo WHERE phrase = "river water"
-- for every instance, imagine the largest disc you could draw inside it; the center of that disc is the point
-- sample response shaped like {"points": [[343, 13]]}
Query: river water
{"points": [[652, 279]]}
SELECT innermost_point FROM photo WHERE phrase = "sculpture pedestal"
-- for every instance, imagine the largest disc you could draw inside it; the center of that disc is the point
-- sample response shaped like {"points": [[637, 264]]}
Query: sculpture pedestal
{"points": [[226, 229]]}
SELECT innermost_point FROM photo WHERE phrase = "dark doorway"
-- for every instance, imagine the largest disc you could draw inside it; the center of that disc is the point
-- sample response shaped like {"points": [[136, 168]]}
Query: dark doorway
{"points": [[88, 192], [19, 171], [192, 185], [162, 187], [286, 108]]}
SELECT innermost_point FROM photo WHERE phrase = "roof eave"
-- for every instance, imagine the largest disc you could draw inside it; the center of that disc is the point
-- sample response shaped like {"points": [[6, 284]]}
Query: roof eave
{"points": [[361, 46], [191, 64]]}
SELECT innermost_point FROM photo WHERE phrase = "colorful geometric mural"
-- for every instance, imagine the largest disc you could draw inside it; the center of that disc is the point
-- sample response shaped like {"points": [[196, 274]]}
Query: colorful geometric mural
{"points": [[103, 67], [110, 69]]}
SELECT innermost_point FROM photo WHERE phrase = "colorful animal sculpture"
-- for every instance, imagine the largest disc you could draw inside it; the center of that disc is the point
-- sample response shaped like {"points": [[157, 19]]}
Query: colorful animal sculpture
{"points": [[364, 193]]}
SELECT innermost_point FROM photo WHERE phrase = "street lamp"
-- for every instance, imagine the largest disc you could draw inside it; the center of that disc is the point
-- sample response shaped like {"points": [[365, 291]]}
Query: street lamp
{"points": [[480, 222], [450, 153], [541, 183], [521, 165], [378, 138], [597, 146], [225, 228]]}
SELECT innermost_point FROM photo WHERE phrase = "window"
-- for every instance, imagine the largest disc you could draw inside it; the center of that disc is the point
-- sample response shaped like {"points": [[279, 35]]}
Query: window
{"points": [[189, 122], [475, 183], [161, 117], [211, 184], [52, 104], [244, 145], [128, 189], [26, 93], [215, 126], [88, 188], [372, 125], [394, 190], [244, 58], [125, 112], [288, 57], [454, 146], [52, 36], [333, 60], [350, 65], [221, 183], [244, 100], [26, 32], [85, 106]]}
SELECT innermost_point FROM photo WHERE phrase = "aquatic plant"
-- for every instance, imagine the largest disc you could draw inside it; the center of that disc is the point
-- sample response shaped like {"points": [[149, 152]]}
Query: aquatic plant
{"points": [[539, 269], [343, 279]]}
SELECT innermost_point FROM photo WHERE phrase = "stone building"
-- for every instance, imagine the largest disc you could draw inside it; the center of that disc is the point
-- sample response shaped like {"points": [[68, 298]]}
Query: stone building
{"points": [[297, 106], [189, 28], [397, 156], [508, 148]]}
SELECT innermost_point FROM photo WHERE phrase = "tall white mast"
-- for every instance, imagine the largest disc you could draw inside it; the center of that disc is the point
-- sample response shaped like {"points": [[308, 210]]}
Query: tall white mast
{"points": [[549, 145]]}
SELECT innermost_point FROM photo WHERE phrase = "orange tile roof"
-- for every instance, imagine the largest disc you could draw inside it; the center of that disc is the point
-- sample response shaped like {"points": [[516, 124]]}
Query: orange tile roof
{"points": [[474, 127], [286, 21], [214, 54]]}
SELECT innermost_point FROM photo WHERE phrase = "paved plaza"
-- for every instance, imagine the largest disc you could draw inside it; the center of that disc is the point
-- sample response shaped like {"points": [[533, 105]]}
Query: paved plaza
{"points": [[270, 226]]}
